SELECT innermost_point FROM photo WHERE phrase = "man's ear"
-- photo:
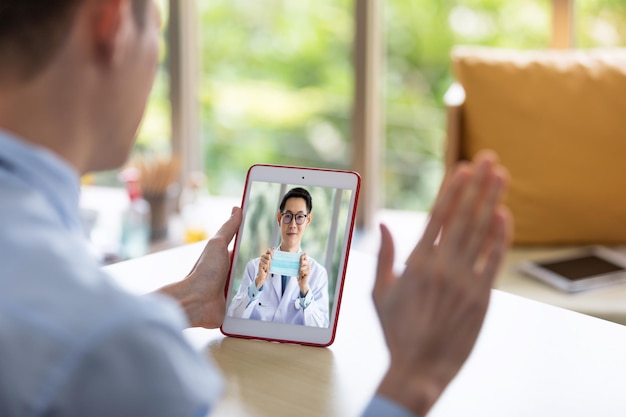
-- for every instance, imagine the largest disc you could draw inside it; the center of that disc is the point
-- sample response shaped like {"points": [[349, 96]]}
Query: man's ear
{"points": [[309, 218], [107, 22], [278, 218]]}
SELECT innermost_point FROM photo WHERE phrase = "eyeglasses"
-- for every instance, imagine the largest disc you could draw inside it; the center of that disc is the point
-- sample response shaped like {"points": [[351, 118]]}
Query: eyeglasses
{"points": [[288, 217]]}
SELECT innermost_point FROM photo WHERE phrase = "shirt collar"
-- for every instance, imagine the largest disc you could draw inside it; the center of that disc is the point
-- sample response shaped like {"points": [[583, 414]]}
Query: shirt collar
{"points": [[278, 249], [45, 172]]}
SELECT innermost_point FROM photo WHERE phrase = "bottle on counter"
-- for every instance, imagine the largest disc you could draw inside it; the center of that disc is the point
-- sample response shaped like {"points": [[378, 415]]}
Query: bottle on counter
{"points": [[135, 236], [192, 210]]}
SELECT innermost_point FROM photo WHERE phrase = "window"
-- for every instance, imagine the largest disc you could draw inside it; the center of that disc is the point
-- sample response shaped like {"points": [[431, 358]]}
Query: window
{"points": [[600, 23], [419, 36], [275, 86], [275, 81]]}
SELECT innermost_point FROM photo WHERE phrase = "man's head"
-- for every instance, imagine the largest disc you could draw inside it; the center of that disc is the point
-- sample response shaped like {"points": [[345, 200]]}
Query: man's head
{"points": [[76, 75], [293, 217], [297, 192], [33, 31]]}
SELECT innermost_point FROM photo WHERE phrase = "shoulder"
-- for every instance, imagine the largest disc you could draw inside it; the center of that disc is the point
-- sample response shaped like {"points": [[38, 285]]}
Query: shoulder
{"points": [[317, 268], [20, 202], [67, 357], [144, 365], [314, 263], [253, 263], [33, 242]]}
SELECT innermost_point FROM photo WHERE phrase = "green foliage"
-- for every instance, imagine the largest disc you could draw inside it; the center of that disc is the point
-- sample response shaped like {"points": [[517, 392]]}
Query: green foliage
{"points": [[600, 23], [276, 86], [276, 81]]}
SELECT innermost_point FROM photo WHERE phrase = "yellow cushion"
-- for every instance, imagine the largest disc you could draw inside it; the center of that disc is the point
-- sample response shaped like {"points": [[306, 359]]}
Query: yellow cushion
{"points": [[557, 119]]}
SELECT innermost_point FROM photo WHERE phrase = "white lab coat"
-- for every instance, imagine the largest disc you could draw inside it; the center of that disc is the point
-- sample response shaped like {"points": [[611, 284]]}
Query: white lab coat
{"points": [[272, 306]]}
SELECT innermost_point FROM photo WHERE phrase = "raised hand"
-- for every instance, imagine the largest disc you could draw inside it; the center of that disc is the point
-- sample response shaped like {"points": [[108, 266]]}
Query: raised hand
{"points": [[432, 313]]}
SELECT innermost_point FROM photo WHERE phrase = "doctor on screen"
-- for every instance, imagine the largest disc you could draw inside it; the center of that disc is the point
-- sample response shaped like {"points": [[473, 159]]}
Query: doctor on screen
{"points": [[295, 289]]}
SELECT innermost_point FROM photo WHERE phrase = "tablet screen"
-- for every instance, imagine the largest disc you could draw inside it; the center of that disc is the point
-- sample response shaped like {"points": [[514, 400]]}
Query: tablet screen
{"points": [[583, 267], [290, 254]]}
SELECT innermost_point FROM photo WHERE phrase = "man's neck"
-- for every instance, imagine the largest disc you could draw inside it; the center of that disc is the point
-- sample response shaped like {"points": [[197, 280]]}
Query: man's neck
{"points": [[283, 248], [47, 114]]}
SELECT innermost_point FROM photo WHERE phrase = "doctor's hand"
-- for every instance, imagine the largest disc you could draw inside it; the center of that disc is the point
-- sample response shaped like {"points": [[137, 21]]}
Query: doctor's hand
{"points": [[265, 263], [304, 273], [432, 313], [201, 293]]}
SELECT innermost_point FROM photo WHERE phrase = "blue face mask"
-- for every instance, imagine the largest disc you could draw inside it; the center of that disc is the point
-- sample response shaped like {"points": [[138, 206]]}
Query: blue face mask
{"points": [[285, 263]]}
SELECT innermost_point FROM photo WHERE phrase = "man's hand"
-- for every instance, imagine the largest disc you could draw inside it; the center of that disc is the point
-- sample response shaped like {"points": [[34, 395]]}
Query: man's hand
{"points": [[201, 293], [265, 263], [304, 273], [431, 314]]}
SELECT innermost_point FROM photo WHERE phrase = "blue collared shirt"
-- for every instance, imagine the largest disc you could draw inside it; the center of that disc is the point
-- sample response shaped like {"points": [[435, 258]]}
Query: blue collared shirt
{"points": [[381, 406], [71, 342]]}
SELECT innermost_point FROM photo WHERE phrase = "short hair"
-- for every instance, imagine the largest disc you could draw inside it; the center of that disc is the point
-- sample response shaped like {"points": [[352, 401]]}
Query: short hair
{"points": [[297, 192], [32, 32]]}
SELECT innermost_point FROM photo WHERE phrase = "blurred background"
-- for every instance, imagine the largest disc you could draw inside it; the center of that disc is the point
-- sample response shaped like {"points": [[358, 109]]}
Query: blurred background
{"points": [[272, 81]]}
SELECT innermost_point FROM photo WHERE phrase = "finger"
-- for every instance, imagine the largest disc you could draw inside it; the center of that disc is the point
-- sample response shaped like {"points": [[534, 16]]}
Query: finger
{"points": [[384, 269], [461, 213], [440, 212], [303, 259], [225, 234], [228, 229], [443, 203], [479, 228], [501, 238]]}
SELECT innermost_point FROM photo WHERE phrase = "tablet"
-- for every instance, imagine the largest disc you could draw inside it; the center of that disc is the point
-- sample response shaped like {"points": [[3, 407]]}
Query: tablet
{"points": [[583, 269], [290, 254]]}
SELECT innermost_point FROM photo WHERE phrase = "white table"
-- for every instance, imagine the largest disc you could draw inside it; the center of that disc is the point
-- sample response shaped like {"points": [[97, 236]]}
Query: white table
{"points": [[608, 303], [531, 359]]}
